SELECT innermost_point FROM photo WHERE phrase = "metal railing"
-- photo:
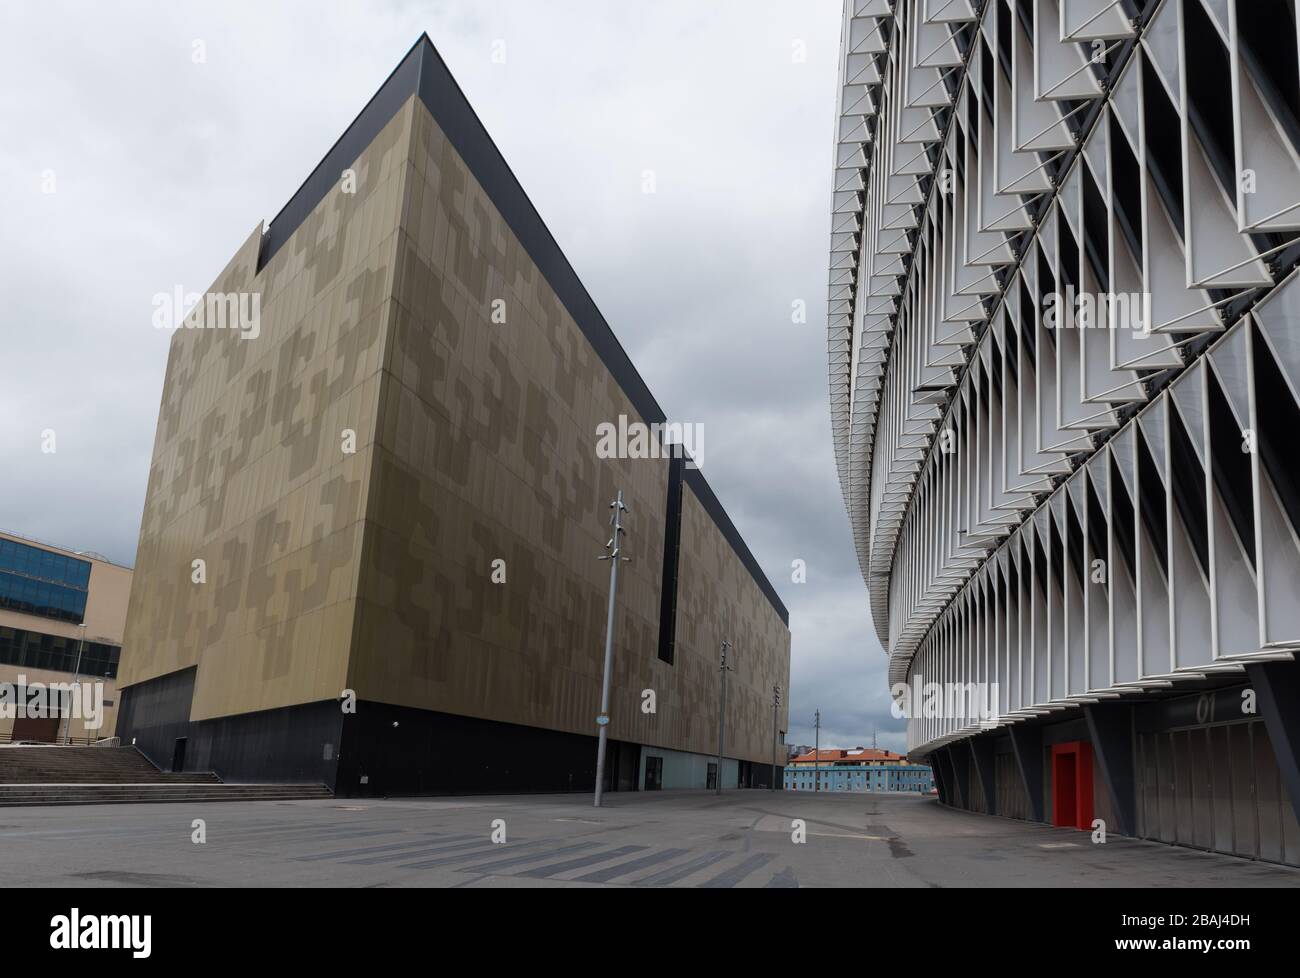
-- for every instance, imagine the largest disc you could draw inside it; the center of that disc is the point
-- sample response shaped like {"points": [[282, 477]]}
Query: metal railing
{"points": [[6, 737]]}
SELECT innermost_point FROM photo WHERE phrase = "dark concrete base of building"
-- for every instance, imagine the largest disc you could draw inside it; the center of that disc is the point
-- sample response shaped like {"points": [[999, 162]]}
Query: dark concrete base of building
{"points": [[393, 750], [298, 744], [377, 751], [1215, 771]]}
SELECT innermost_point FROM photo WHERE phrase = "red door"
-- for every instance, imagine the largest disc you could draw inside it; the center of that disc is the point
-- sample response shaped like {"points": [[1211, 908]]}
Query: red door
{"points": [[1072, 785]]}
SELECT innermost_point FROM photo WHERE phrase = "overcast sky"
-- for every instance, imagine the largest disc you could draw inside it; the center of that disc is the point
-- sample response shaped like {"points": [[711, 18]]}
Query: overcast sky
{"points": [[160, 168]]}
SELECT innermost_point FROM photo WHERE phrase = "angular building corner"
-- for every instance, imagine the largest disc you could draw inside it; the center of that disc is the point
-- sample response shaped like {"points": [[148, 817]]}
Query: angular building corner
{"points": [[1065, 390], [391, 494]]}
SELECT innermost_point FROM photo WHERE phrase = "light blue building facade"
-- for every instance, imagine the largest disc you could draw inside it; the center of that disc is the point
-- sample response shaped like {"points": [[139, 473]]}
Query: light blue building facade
{"points": [[861, 777]]}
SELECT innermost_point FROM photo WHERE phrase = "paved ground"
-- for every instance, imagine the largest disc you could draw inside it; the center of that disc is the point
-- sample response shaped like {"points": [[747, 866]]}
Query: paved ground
{"points": [[648, 839]]}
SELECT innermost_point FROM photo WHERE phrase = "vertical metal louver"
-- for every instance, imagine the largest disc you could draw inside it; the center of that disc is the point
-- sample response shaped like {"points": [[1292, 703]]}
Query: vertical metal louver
{"points": [[1064, 340]]}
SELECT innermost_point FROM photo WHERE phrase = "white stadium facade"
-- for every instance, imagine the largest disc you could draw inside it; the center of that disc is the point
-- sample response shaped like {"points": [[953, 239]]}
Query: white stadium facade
{"points": [[1064, 350]]}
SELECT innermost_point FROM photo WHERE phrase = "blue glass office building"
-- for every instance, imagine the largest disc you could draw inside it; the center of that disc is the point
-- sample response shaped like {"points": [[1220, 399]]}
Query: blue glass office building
{"points": [[62, 615], [41, 582]]}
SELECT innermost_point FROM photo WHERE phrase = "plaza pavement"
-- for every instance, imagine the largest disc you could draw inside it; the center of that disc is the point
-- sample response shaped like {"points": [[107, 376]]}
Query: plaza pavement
{"points": [[649, 839]]}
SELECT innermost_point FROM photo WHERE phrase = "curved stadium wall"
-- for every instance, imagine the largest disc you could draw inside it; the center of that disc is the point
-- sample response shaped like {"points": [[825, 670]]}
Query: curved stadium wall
{"points": [[1064, 316]]}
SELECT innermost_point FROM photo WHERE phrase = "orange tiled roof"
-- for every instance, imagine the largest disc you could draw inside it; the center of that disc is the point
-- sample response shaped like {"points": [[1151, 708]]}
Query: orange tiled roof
{"points": [[848, 755]]}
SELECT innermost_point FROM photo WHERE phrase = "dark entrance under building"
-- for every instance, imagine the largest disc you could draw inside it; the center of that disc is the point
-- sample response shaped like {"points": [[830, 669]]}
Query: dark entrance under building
{"points": [[654, 773], [178, 754], [44, 730]]}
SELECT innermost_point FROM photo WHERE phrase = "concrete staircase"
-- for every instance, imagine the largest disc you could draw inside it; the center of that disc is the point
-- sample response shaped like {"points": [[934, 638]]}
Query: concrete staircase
{"points": [[18, 795], [87, 765], [112, 775]]}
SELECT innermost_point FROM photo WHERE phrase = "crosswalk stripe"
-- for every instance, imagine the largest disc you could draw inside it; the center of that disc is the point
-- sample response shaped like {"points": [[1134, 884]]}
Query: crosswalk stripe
{"points": [[679, 872], [409, 844], [729, 878], [581, 861], [610, 872], [532, 857], [429, 851]]}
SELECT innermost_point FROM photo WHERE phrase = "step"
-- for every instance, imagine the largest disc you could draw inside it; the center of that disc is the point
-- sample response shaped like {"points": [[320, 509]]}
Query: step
{"points": [[79, 794], [100, 777], [107, 778], [55, 764]]}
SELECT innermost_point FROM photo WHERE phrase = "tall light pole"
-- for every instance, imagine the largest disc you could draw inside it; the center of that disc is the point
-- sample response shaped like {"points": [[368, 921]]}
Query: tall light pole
{"points": [[76, 675], [614, 557], [817, 752], [776, 701], [722, 712]]}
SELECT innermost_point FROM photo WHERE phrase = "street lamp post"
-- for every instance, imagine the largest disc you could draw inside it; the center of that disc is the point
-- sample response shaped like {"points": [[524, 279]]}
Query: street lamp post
{"points": [[76, 676], [722, 712], [776, 701], [614, 557], [817, 752]]}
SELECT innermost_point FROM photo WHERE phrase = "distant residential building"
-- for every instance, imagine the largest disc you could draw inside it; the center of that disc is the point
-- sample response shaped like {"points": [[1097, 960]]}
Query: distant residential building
{"points": [[856, 769], [62, 614], [846, 757]]}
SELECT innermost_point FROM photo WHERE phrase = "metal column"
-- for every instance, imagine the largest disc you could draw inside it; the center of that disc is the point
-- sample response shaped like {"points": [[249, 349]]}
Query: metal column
{"points": [[1110, 727], [981, 752], [1277, 697], [1027, 742]]}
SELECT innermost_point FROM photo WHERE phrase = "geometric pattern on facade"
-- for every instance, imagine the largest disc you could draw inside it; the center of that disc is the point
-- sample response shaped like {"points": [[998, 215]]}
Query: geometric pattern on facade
{"points": [[1070, 513], [474, 441]]}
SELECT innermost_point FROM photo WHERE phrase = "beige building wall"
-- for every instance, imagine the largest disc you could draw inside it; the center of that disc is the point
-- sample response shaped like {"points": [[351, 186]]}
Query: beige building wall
{"points": [[82, 727], [716, 598], [250, 472], [475, 441], [106, 602], [486, 451]]}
